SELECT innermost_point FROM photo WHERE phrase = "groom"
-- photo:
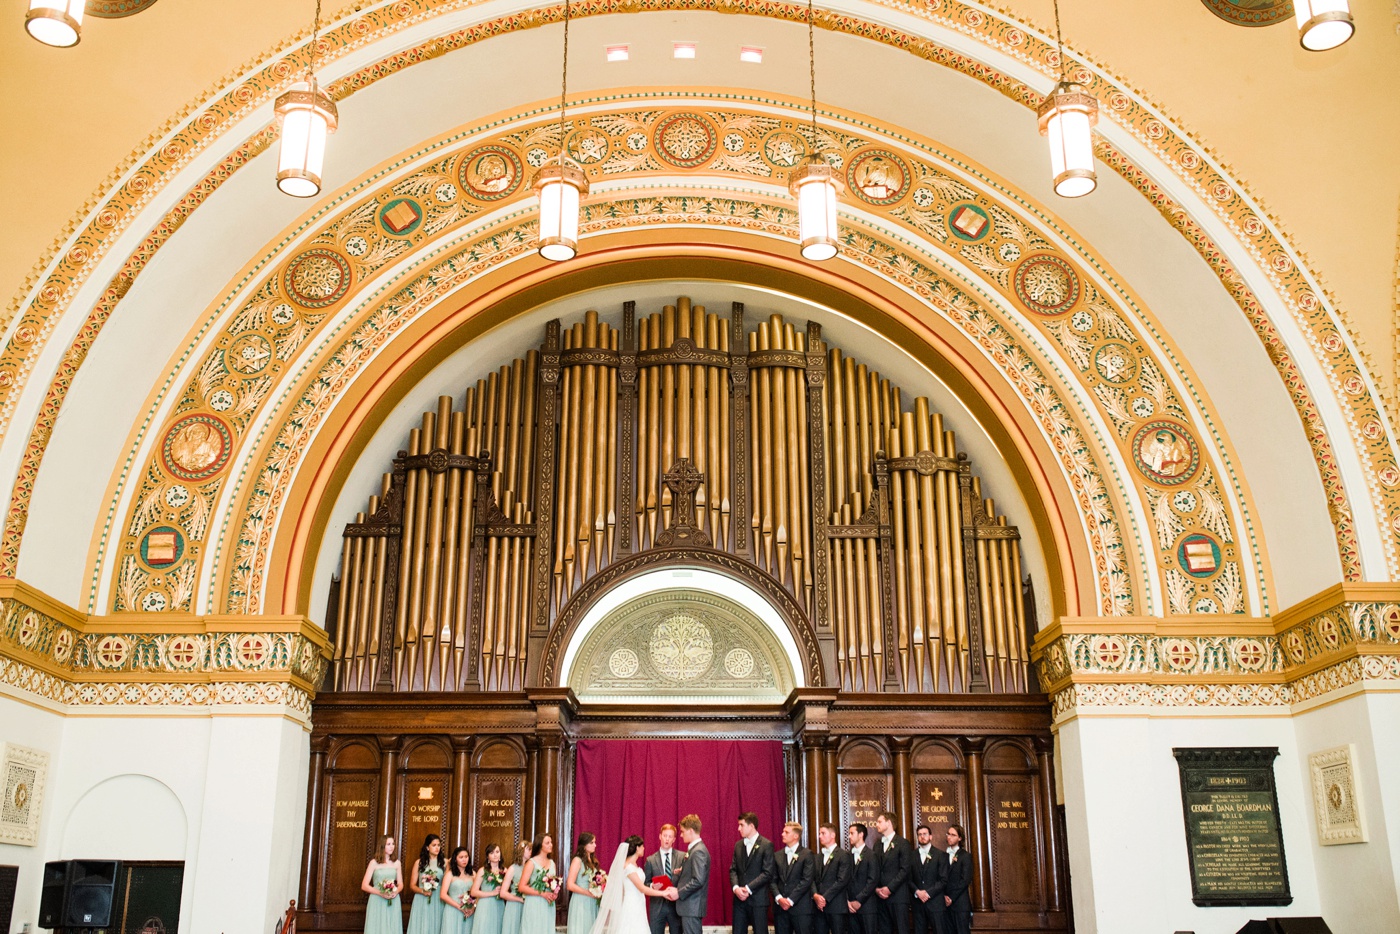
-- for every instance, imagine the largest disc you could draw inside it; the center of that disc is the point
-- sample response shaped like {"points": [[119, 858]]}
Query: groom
{"points": [[694, 883]]}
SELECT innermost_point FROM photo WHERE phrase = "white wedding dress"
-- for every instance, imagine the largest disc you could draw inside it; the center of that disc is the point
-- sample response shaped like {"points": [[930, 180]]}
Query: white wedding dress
{"points": [[623, 908]]}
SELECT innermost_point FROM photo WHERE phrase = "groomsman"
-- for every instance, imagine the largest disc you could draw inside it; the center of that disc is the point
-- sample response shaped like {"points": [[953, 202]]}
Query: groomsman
{"points": [[749, 875], [861, 900], [664, 862], [957, 876], [794, 874], [896, 869], [928, 884], [833, 882]]}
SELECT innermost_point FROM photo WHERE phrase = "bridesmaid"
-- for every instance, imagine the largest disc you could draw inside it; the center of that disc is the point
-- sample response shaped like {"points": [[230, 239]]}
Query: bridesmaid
{"points": [[425, 917], [383, 881], [583, 904], [510, 920], [538, 915], [457, 888], [486, 889]]}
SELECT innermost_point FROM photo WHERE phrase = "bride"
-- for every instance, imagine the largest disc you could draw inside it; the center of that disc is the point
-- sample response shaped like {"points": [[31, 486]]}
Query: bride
{"points": [[623, 907]]}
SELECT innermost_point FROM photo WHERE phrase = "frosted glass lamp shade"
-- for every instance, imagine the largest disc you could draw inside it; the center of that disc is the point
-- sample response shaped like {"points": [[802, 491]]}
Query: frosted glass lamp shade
{"points": [[560, 186], [816, 186], [307, 117], [58, 23], [1067, 119], [1323, 24]]}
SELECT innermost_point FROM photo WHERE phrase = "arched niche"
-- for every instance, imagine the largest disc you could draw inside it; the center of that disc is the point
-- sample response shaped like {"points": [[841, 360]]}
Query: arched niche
{"points": [[682, 634], [126, 817]]}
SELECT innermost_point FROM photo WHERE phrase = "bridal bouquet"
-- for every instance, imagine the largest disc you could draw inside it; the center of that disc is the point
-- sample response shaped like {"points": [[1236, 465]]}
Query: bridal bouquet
{"points": [[429, 880], [468, 906], [600, 881]]}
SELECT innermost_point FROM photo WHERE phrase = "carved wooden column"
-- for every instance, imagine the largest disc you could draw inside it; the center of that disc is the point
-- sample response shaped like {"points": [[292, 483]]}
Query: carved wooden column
{"points": [[527, 806], [832, 805], [547, 440], [476, 570], [740, 516], [979, 829], [393, 544], [903, 786], [626, 478], [547, 785], [813, 765], [1050, 851], [311, 844], [388, 788], [461, 759], [976, 662], [816, 452], [890, 645]]}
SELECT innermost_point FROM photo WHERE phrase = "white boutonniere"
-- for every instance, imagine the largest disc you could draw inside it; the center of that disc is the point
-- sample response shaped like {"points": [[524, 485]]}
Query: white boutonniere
{"points": [[954, 859]]}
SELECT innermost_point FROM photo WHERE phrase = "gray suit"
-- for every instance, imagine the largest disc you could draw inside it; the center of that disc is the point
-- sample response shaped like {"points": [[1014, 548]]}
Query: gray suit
{"points": [[693, 887], [663, 910]]}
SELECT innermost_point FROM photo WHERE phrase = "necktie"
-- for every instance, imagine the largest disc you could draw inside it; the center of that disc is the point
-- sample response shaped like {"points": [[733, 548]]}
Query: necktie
{"points": [[666, 863]]}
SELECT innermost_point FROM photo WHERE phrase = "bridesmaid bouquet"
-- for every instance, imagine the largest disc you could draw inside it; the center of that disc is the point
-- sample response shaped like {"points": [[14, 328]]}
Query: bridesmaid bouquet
{"points": [[386, 888], [429, 880], [600, 881], [494, 878], [468, 906], [552, 884]]}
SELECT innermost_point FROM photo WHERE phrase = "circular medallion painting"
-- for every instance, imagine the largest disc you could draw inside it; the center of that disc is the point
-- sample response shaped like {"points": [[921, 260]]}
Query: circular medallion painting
{"points": [[196, 447], [685, 140], [490, 173], [969, 222], [1198, 555], [317, 278], [877, 176], [401, 217], [1250, 12], [739, 663], [1165, 453], [1116, 362], [784, 148], [1046, 284], [623, 663], [248, 355], [588, 146], [162, 547]]}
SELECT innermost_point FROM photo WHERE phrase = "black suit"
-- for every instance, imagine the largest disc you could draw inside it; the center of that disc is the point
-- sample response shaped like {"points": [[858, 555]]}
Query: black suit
{"points": [[957, 876], [833, 884], [663, 911], [896, 870], [754, 870], [794, 880], [865, 876], [928, 878]]}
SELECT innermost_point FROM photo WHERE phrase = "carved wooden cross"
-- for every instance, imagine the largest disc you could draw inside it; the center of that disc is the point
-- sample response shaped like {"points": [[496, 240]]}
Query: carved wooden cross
{"points": [[683, 480]]}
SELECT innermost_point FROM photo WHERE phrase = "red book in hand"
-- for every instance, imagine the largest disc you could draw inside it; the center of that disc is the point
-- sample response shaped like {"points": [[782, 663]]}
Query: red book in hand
{"points": [[661, 882]]}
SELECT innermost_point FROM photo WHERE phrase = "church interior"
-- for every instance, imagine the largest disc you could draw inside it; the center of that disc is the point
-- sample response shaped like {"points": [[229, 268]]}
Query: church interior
{"points": [[983, 412]]}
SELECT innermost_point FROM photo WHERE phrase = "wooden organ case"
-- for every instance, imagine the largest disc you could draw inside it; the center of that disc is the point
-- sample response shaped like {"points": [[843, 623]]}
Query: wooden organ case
{"points": [[683, 438]]}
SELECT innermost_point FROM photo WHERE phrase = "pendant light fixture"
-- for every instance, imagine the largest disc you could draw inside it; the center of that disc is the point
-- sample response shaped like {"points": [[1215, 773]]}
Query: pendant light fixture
{"points": [[1067, 117], [815, 183], [560, 186], [1323, 24], [58, 23], [307, 117]]}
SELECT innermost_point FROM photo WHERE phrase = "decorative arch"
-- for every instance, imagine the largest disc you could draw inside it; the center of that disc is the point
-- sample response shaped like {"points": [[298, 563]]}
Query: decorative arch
{"points": [[1341, 367], [815, 652]]}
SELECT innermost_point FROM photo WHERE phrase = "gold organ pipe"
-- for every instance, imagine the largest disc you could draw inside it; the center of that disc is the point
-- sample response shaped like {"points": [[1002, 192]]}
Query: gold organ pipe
{"points": [[433, 548], [1004, 612], [726, 453], [777, 389], [581, 527], [699, 423], [798, 486], [349, 599], [836, 409], [568, 464], [608, 440], [668, 413], [683, 374], [930, 515], [921, 582], [450, 615], [901, 552]]}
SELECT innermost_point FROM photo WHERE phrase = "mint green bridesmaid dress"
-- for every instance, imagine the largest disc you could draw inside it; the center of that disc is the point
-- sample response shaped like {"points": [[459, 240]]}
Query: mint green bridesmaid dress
{"points": [[383, 915], [583, 909], [425, 917], [538, 914], [490, 912], [453, 921], [510, 921]]}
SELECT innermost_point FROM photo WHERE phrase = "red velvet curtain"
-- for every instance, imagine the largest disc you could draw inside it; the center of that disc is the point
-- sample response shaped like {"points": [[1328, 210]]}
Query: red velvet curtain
{"points": [[634, 786]]}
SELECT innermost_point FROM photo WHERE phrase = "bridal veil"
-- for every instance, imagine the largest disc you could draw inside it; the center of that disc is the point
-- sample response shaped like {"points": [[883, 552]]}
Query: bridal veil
{"points": [[611, 918]]}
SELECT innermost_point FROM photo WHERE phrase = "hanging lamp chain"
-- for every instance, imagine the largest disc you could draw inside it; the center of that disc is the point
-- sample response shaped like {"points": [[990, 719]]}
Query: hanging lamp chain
{"points": [[564, 88], [812, 71], [315, 37], [1059, 43]]}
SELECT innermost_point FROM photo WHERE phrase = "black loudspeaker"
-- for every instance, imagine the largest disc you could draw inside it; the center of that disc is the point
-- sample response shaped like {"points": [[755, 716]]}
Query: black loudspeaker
{"points": [[1256, 927], [1300, 926], [51, 896], [92, 885]]}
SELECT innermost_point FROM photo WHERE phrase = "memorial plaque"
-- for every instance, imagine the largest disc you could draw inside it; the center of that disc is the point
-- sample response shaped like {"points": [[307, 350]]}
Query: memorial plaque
{"points": [[497, 799], [1017, 880], [353, 800], [1233, 836], [862, 798]]}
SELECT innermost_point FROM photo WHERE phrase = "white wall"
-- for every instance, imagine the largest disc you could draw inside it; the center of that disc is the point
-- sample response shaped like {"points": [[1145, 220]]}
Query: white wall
{"points": [[1129, 868], [222, 790]]}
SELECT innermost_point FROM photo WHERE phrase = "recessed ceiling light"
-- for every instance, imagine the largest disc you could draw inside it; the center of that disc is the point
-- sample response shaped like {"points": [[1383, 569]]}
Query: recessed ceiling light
{"points": [[683, 50], [617, 53], [751, 53]]}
